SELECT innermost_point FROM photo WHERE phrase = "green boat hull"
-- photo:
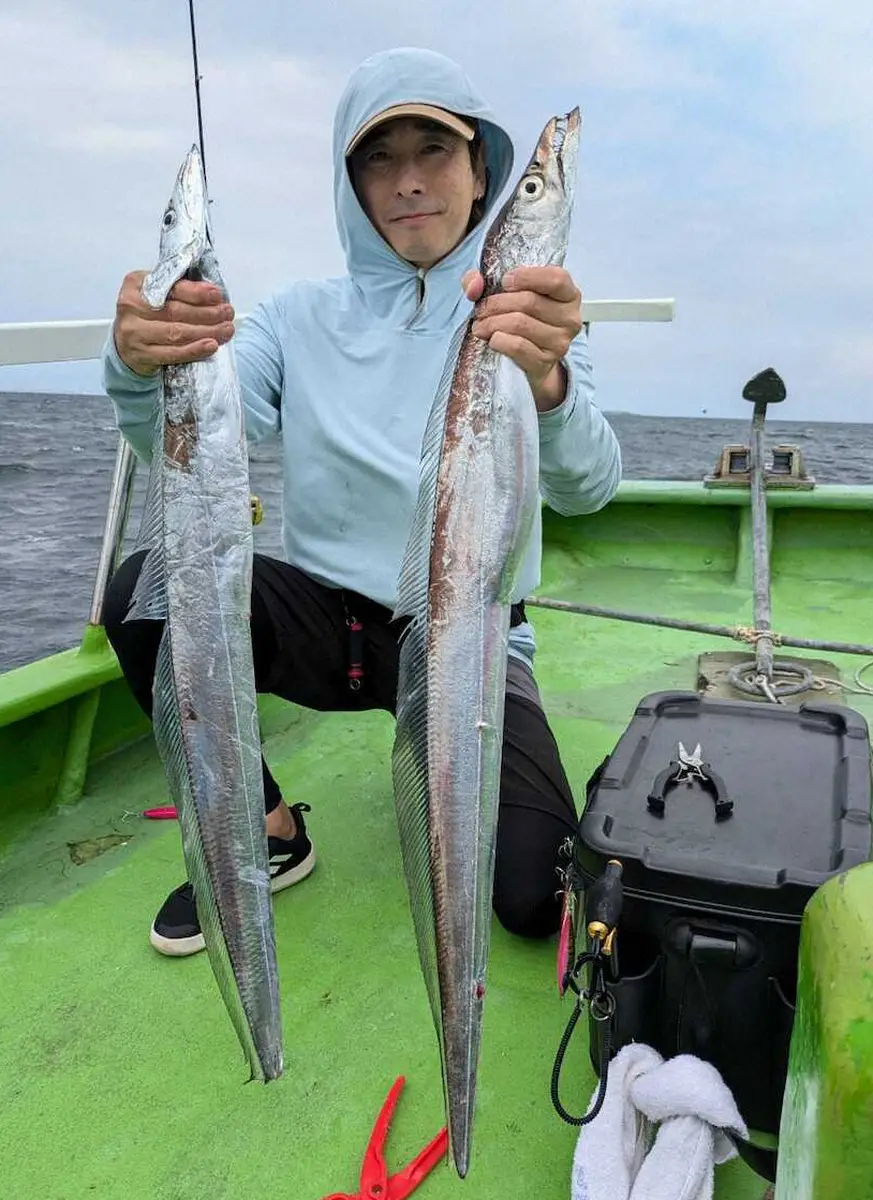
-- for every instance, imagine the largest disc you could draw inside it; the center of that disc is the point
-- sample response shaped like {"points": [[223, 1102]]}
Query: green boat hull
{"points": [[120, 1074], [827, 1116]]}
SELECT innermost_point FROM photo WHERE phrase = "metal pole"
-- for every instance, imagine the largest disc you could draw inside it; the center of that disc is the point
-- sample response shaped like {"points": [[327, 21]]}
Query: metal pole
{"points": [[765, 388], [760, 547], [728, 631], [117, 513]]}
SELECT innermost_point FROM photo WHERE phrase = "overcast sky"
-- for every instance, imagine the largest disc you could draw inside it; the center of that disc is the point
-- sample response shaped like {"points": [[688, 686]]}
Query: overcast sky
{"points": [[726, 161]]}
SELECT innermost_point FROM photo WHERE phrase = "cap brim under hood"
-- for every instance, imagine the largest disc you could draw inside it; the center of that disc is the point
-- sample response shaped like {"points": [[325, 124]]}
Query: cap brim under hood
{"points": [[405, 75]]}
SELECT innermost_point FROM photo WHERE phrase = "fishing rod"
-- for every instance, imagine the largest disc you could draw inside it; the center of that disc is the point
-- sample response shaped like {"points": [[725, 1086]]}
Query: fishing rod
{"points": [[197, 87]]}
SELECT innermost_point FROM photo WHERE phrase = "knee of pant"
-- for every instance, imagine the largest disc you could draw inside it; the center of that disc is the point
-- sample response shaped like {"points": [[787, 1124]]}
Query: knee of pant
{"points": [[116, 602], [528, 916], [115, 605]]}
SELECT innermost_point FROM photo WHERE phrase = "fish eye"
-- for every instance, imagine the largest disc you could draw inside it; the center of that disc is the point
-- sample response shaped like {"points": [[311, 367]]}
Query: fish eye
{"points": [[533, 186], [169, 218]]}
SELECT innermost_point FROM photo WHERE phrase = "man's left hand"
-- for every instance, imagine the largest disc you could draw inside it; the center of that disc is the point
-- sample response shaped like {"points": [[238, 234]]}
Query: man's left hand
{"points": [[533, 321]]}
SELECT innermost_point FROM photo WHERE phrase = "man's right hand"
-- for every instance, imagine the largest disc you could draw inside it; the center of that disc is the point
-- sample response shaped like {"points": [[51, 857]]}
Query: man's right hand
{"points": [[191, 326]]}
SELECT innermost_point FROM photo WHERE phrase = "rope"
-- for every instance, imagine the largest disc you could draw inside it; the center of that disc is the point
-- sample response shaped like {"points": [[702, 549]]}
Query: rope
{"points": [[764, 684], [861, 689], [746, 633], [746, 677]]}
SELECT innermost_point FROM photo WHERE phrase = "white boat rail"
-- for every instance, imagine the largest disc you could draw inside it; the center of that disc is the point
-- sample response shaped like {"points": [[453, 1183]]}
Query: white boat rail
{"points": [[35, 342], [31, 343]]}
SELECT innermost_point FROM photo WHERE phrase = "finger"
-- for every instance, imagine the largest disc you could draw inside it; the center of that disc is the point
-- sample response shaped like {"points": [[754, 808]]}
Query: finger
{"points": [[559, 313], [194, 352], [548, 281], [525, 354], [473, 284], [190, 291], [192, 314], [132, 282], [175, 312], [131, 302], [197, 292], [173, 334], [551, 340]]}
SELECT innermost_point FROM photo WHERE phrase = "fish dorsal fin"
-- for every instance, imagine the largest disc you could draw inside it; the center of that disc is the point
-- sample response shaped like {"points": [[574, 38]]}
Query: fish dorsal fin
{"points": [[149, 599], [414, 571], [175, 756], [410, 775]]}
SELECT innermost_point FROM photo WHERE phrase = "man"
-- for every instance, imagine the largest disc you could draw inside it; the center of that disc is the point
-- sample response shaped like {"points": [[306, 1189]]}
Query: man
{"points": [[346, 370]]}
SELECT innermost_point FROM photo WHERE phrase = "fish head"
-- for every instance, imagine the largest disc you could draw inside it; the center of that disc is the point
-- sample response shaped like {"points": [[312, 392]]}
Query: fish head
{"points": [[533, 226], [184, 231]]}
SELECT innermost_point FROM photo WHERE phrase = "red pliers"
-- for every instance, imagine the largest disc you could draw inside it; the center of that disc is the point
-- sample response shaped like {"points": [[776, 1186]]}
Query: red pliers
{"points": [[376, 1183]]}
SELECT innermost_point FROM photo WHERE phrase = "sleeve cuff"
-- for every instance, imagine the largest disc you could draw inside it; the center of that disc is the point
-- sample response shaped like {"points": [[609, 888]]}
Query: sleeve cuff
{"points": [[552, 422], [115, 366]]}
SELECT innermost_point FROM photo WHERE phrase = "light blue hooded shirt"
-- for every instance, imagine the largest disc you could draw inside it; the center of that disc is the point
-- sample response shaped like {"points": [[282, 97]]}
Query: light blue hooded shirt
{"points": [[345, 371]]}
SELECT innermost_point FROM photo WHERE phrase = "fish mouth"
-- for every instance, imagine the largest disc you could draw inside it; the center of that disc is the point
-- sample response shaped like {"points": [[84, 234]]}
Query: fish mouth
{"points": [[561, 138], [565, 127]]}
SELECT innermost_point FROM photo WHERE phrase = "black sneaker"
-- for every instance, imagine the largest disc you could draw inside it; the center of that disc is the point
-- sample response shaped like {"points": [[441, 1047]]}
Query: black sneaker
{"points": [[293, 860], [176, 930]]}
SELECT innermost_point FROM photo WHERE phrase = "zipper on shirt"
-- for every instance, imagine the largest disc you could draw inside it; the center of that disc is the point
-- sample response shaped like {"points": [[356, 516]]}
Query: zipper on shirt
{"points": [[420, 290]]}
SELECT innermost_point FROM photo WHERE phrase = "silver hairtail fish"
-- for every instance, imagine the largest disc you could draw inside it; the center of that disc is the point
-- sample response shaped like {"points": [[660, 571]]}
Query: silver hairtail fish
{"points": [[197, 576], [477, 502]]}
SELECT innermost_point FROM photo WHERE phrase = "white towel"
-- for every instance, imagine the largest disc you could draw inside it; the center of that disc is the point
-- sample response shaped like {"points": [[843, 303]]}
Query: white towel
{"points": [[659, 1132]]}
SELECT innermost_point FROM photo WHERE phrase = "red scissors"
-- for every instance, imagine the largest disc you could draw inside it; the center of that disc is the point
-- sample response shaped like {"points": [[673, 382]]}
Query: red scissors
{"points": [[375, 1182]]}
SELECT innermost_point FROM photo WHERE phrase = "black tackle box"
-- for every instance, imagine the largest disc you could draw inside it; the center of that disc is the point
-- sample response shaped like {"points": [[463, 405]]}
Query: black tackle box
{"points": [[709, 931]]}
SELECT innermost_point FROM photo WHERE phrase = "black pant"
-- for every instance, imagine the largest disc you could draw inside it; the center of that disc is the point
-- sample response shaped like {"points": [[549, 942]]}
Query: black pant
{"points": [[302, 652]]}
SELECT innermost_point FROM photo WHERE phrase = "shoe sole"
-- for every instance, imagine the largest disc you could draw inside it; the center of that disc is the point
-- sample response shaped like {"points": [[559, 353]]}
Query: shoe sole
{"points": [[176, 947], [183, 947], [278, 883]]}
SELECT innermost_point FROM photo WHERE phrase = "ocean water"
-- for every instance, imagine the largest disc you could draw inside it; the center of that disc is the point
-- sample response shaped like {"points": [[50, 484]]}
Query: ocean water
{"points": [[56, 458]]}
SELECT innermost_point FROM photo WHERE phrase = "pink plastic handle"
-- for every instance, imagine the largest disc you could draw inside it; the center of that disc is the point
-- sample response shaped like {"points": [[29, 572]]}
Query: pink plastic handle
{"points": [[565, 943]]}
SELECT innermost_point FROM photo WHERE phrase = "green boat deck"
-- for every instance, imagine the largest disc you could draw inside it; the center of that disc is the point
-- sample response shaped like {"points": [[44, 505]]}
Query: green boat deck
{"points": [[120, 1073]]}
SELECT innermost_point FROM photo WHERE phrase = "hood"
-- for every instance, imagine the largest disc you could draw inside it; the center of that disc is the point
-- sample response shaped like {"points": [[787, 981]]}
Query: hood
{"points": [[407, 75]]}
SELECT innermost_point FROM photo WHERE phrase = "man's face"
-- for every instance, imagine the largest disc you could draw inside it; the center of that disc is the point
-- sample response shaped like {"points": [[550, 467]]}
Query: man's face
{"points": [[417, 185]]}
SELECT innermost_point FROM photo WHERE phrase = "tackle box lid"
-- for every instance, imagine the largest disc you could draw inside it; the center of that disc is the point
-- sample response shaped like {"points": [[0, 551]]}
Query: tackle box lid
{"points": [[799, 780]]}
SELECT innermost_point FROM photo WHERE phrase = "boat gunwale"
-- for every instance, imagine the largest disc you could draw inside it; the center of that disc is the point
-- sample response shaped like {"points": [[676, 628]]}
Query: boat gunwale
{"points": [[57, 678]]}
